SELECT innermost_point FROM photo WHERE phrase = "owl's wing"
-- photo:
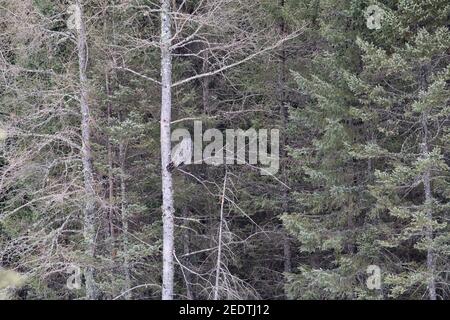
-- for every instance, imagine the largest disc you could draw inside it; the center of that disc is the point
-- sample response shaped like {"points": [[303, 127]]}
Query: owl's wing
{"points": [[182, 152], [187, 151]]}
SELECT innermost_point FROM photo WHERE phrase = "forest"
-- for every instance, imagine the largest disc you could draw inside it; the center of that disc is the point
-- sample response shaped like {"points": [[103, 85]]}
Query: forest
{"points": [[224, 150]]}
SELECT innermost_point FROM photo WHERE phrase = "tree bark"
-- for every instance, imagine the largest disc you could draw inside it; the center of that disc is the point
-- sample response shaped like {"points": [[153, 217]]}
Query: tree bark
{"points": [[282, 78], [431, 263], [186, 251], [426, 179], [205, 84], [86, 156], [167, 185], [110, 218], [219, 241], [124, 211]]}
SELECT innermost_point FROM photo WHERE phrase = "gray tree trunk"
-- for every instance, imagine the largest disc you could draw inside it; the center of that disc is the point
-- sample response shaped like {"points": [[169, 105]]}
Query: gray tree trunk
{"points": [[205, 84], [282, 100], [86, 156], [426, 178], [186, 251], [110, 217], [167, 185], [124, 211], [220, 241], [431, 263]]}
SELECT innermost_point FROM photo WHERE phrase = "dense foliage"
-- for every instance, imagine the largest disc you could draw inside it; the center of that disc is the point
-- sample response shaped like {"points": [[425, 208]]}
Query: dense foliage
{"points": [[364, 176]]}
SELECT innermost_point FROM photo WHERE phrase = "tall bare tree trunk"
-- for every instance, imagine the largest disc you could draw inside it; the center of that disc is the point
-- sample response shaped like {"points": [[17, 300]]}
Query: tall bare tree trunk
{"points": [[86, 155], [110, 217], [124, 210], [426, 178], [219, 241], [282, 78], [428, 202], [205, 84], [186, 252], [167, 185]]}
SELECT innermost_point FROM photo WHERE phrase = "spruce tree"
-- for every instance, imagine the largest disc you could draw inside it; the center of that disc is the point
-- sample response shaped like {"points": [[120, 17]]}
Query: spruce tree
{"points": [[405, 79]]}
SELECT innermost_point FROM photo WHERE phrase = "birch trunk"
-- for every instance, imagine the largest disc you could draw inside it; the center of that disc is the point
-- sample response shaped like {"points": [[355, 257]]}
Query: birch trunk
{"points": [[167, 186], [86, 156]]}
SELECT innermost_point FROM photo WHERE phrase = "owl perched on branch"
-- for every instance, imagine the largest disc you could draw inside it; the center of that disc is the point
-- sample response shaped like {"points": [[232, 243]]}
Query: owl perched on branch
{"points": [[181, 154]]}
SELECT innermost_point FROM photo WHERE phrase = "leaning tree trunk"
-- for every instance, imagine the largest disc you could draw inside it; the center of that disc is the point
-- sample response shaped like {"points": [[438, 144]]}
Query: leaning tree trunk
{"points": [[167, 187], [86, 156], [220, 241]]}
